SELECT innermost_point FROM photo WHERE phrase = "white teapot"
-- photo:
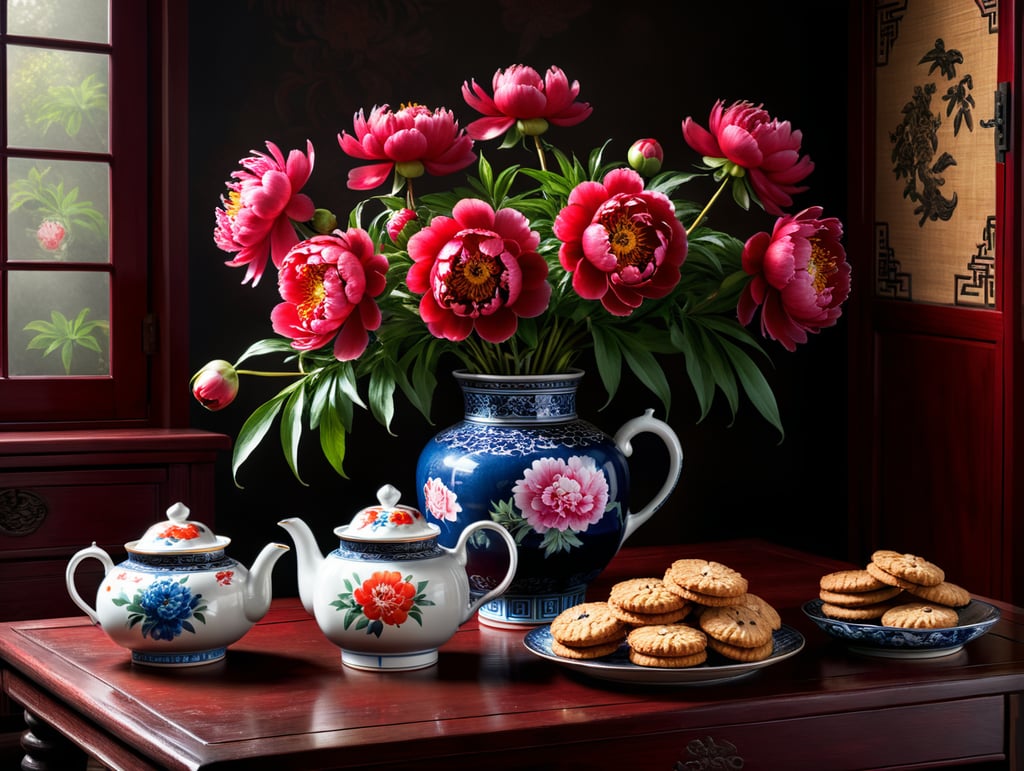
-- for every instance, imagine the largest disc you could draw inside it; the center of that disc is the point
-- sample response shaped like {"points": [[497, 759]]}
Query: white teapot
{"points": [[390, 595], [177, 600]]}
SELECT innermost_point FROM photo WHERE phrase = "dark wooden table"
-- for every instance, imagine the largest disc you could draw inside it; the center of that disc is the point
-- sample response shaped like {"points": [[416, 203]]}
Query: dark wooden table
{"points": [[282, 700]]}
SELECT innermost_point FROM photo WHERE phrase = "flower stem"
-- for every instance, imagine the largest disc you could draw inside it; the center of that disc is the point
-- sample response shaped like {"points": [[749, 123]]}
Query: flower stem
{"points": [[540, 153], [710, 203], [409, 202], [269, 374]]}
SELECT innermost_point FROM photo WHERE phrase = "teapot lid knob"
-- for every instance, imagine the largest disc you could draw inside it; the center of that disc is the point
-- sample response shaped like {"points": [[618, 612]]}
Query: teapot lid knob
{"points": [[388, 496], [178, 512]]}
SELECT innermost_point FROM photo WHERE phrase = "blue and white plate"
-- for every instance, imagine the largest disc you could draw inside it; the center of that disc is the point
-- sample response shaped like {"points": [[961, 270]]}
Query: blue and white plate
{"points": [[617, 667], [895, 642]]}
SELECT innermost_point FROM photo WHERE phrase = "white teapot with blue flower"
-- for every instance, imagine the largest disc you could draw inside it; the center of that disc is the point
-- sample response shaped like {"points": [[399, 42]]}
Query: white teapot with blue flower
{"points": [[177, 600]]}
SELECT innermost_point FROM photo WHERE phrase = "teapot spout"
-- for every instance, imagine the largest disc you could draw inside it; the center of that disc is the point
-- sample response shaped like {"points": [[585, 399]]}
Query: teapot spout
{"points": [[307, 556], [259, 592]]}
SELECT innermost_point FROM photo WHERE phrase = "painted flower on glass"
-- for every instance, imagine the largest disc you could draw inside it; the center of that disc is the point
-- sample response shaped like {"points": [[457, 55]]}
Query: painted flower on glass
{"points": [[50, 235], [525, 269], [386, 598], [441, 501], [165, 609]]}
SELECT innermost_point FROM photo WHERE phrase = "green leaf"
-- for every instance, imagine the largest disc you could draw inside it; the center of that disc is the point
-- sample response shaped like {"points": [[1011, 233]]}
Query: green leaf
{"points": [[291, 430], [332, 441], [254, 429], [755, 385]]}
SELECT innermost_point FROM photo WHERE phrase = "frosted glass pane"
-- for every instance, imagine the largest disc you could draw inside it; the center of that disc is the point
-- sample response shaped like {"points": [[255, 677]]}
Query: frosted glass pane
{"points": [[58, 323], [57, 100], [58, 211], [87, 20]]}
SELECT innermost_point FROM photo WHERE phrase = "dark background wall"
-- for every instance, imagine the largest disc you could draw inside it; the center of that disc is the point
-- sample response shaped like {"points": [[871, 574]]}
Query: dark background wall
{"points": [[293, 70]]}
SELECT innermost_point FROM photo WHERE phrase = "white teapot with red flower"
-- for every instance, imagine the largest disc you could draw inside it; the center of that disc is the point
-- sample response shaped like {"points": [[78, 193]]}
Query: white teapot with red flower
{"points": [[390, 595], [177, 600]]}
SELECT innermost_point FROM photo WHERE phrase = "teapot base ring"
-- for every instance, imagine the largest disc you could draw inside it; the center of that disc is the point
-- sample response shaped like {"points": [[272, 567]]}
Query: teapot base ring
{"points": [[178, 658], [390, 662], [512, 611]]}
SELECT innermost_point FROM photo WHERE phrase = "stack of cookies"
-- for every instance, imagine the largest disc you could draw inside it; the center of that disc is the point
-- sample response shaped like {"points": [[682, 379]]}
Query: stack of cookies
{"points": [[893, 589], [672, 621]]}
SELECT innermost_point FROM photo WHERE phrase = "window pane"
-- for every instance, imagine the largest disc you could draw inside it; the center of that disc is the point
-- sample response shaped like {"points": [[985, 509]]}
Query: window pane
{"points": [[57, 100], [58, 211], [86, 20], [59, 323]]}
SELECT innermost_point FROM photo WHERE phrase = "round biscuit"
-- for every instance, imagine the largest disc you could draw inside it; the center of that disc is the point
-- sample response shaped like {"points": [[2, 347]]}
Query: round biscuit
{"points": [[909, 567], [588, 652], [667, 640], [735, 652], [668, 662], [920, 615], [863, 614], [945, 593], [763, 607], [886, 577], [707, 577], [646, 619], [645, 595], [588, 623], [859, 599], [858, 580], [699, 598], [736, 625]]}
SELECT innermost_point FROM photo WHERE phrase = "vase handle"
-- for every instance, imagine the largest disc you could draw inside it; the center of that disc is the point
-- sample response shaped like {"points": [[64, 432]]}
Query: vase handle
{"points": [[648, 423]]}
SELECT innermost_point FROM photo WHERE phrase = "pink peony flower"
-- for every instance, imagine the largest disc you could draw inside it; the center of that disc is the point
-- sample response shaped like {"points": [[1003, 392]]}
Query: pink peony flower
{"points": [[328, 284], [768, 149], [646, 156], [620, 242], [521, 95], [412, 140], [478, 270], [215, 386], [50, 235], [440, 501], [562, 495], [801, 277], [398, 221], [255, 219]]}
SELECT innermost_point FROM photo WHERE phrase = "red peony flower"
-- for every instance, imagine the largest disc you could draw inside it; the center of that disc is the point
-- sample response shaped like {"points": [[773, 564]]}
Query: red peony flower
{"points": [[254, 221], [215, 386], [384, 596], [801, 277], [413, 140], [478, 269], [620, 242], [50, 235], [521, 95], [328, 284], [768, 149]]}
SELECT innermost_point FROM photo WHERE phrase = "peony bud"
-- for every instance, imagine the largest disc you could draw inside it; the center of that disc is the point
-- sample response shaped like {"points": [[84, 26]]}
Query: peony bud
{"points": [[532, 127], [398, 221], [410, 169], [324, 221], [50, 235], [645, 156], [215, 386]]}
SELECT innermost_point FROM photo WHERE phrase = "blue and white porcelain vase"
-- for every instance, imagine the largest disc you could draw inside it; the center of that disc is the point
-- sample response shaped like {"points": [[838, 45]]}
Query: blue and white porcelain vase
{"points": [[522, 457]]}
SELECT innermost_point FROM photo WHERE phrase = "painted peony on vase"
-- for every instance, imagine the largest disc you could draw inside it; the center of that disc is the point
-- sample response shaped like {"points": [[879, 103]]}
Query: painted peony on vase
{"points": [[523, 458]]}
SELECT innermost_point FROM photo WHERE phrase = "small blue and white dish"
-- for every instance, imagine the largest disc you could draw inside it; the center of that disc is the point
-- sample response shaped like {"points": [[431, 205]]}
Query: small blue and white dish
{"points": [[894, 642]]}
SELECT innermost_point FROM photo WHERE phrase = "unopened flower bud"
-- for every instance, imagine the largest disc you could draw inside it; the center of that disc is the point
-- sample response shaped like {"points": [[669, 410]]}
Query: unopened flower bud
{"points": [[410, 169], [532, 127], [398, 221], [645, 156], [215, 386], [324, 221]]}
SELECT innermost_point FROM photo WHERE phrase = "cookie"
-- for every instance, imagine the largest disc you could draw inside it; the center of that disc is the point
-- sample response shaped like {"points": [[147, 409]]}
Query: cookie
{"points": [[736, 625], [887, 578], [920, 615], [764, 608], [859, 599], [667, 640], [908, 567], [586, 624], [588, 652], [736, 653], [862, 614], [645, 595], [706, 578], [647, 619], [671, 662], [945, 593], [699, 598], [852, 581]]}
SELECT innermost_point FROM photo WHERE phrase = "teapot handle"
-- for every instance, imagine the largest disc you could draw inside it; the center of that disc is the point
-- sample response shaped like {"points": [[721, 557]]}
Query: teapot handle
{"points": [[648, 423], [461, 555], [90, 552]]}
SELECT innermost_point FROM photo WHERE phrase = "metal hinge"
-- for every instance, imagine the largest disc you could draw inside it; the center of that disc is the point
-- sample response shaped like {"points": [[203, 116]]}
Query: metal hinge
{"points": [[1001, 121], [150, 334]]}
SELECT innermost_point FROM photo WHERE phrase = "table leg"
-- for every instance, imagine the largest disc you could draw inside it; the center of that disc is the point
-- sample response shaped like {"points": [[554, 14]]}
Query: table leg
{"points": [[47, 749]]}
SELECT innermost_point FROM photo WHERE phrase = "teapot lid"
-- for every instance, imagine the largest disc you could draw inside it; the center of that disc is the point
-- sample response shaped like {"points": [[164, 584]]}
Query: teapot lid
{"points": [[176, 535], [388, 521]]}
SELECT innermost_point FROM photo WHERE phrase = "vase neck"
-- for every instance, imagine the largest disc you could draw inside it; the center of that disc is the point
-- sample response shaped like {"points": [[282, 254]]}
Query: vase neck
{"points": [[496, 399]]}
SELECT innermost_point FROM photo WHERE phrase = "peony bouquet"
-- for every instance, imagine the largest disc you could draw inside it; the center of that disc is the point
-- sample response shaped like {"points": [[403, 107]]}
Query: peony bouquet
{"points": [[520, 270]]}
